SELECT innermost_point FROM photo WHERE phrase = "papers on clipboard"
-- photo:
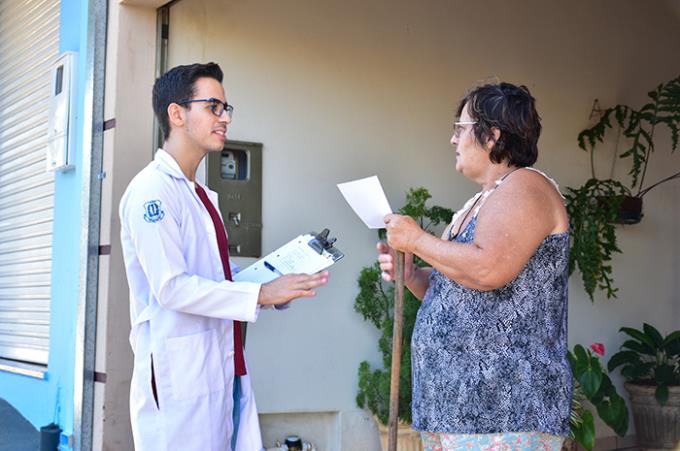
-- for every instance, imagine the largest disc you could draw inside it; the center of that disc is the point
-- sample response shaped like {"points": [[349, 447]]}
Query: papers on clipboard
{"points": [[308, 254]]}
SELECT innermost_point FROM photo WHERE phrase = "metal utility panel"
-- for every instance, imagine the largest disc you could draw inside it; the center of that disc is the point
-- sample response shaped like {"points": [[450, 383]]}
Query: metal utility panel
{"points": [[236, 175]]}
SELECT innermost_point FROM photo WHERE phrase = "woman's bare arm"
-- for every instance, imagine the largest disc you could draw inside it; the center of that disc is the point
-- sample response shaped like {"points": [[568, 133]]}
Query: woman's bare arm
{"points": [[514, 221]]}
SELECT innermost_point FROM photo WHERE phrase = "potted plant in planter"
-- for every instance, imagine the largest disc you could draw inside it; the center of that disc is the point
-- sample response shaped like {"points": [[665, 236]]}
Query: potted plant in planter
{"points": [[599, 204], [650, 363], [592, 383], [375, 303]]}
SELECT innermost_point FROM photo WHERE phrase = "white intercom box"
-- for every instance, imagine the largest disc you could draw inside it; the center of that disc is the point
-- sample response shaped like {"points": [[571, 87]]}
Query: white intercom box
{"points": [[62, 106]]}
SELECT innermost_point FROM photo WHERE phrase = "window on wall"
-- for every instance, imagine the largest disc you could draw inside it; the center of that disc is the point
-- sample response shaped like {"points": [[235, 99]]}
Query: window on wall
{"points": [[29, 44]]}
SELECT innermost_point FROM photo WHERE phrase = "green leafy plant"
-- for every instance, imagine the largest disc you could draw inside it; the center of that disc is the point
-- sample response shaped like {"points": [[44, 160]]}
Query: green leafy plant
{"points": [[649, 358], [592, 383], [594, 233], [595, 207], [375, 303]]}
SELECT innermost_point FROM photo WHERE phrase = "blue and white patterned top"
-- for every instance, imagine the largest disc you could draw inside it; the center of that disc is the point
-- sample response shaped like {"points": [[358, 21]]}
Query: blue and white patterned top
{"points": [[495, 361]]}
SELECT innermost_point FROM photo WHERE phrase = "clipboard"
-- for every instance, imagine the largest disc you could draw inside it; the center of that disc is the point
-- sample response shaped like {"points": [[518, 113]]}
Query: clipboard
{"points": [[308, 254]]}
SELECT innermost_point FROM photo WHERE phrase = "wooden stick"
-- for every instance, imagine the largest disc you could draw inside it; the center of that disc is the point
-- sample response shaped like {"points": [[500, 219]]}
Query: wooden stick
{"points": [[396, 352]]}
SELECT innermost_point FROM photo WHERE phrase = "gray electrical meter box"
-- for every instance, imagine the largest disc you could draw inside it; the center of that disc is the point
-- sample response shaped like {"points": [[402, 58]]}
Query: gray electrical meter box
{"points": [[236, 175]]}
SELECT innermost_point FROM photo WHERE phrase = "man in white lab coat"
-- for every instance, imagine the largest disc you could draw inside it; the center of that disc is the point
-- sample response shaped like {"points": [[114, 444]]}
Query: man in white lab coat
{"points": [[190, 388]]}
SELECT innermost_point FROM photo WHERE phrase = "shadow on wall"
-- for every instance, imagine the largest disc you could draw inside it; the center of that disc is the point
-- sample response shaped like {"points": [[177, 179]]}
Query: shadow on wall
{"points": [[16, 432]]}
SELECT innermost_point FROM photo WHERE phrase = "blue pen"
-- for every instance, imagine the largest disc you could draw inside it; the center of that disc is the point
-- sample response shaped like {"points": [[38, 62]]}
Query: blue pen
{"points": [[270, 267]]}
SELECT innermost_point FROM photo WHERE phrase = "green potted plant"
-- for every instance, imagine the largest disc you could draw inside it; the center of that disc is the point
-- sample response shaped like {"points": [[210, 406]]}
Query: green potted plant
{"points": [[599, 204], [650, 363], [375, 303], [592, 383]]}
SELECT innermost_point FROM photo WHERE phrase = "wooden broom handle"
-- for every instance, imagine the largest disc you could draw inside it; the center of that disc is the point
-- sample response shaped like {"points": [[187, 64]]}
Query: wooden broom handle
{"points": [[396, 352]]}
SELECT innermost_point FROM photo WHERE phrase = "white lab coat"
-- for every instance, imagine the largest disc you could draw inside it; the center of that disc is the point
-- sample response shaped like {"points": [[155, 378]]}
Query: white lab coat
{"points": [[181, 310]]}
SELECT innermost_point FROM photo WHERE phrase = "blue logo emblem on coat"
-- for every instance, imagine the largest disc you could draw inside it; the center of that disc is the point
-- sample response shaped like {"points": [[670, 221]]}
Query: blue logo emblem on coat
{"points": [[153, 211]]}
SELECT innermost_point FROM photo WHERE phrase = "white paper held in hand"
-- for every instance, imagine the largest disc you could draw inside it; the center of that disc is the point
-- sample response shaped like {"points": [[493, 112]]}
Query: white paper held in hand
{"points": [[368, 200]]}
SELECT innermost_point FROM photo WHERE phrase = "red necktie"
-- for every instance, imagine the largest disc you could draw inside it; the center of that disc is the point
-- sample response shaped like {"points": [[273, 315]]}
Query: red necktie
{"points": [[223, 245]]}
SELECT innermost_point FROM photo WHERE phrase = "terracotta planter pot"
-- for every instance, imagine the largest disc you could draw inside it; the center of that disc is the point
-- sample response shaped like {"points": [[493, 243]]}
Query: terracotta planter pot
{"points": [[657, 427], [569, 445], [407, 438]]}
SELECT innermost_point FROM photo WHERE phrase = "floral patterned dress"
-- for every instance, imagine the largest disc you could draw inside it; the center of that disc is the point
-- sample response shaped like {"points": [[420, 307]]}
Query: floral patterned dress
{"points": [[511, 441]]}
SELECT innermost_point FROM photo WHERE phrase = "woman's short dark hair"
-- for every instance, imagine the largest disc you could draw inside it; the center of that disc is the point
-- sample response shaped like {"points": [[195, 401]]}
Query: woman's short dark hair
{"points": [[176, 85], [512, 110]]}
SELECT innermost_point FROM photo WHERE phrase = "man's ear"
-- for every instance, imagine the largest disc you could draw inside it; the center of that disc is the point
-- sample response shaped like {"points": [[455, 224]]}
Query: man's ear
{"points": [[493, 139], [176, 115]]}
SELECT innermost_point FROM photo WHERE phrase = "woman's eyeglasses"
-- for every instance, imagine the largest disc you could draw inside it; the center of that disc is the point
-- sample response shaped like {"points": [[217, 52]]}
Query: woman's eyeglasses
{"points": [[458, 127]]}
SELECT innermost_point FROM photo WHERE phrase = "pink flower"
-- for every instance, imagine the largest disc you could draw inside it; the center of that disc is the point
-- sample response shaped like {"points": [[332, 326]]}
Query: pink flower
{"points": [[598, 348]]}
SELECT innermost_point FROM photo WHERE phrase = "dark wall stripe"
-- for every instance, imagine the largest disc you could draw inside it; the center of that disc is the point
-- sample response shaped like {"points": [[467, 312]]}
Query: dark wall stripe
{"points": [[111, 123]]}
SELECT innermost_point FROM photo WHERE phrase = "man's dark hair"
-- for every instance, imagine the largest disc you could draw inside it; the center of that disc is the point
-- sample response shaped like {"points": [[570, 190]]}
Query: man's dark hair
{"points": [[176, 85], [512, 110]]}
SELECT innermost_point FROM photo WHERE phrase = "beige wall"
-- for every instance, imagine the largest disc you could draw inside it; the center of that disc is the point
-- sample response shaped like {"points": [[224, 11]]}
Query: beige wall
{"points": [[130, 69], [341, 90]]}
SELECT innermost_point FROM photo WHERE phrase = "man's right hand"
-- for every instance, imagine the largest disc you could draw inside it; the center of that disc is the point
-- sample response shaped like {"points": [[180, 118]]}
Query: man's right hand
{"points": [[291, 286]]}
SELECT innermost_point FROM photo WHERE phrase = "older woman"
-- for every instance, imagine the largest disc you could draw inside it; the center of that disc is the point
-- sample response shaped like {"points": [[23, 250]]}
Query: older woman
{"points": [[490, 340]]}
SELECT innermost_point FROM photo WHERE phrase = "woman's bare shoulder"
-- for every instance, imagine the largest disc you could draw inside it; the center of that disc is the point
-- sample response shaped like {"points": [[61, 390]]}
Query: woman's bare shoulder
{"points": [[532, 185], [530, 196]]}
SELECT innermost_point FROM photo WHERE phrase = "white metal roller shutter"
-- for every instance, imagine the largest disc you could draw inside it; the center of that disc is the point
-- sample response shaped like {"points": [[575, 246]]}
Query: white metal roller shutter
{"points": [[29, 44]]}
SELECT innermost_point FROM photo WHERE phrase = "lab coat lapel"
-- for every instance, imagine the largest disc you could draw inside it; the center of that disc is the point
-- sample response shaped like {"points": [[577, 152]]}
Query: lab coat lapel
{"points": [[169, 165]]}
